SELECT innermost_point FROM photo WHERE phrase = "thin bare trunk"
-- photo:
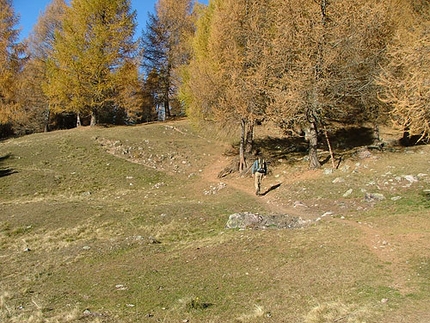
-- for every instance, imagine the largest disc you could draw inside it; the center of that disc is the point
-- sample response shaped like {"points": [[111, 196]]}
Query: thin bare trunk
{"points": [[329, 148], [242, 145]]}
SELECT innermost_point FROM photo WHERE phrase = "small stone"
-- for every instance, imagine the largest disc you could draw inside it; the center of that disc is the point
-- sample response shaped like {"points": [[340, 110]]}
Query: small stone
{"points": [[338, 180], [298, 203], [384, 300], [345, 168], [328, 171], [326, 213], [153, 240], [347, 193], [120, 287], [410, 178]]}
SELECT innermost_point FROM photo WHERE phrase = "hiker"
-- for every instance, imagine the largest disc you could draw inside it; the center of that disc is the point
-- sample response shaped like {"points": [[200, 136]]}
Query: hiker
{"points": [[259, 170]]}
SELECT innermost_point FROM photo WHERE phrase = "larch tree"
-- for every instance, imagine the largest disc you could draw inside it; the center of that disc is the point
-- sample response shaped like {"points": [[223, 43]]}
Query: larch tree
{"points": [[200, 89], [10, 63], [326, 57], [226, 75], [405, 80], [149, 96], [166, 48], [34, 75], [93, 67], [363, 35], [241, 45]]}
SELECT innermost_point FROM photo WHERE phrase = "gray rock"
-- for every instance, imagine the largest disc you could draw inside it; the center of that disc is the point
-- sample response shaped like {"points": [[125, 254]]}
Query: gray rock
{"points": [[364, 153], [374, 197], [246, 220]]}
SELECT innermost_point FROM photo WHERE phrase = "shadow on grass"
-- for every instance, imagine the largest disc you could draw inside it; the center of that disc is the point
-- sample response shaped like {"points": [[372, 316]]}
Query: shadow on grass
{"points": [[272, 188], [5, 171]]}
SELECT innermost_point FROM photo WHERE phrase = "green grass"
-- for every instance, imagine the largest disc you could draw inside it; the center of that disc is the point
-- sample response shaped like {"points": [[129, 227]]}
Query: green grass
{"points": [[114, 225]]}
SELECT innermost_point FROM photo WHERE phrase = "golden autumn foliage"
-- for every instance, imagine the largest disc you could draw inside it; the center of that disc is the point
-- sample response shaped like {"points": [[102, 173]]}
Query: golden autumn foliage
{"points": [[405, 80], [10, 63], [33, 77], [303, 64], [92, 54]]}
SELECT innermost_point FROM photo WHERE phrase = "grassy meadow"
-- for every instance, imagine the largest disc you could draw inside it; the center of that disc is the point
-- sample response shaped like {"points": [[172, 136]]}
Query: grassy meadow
{"points": [[128, 224]]}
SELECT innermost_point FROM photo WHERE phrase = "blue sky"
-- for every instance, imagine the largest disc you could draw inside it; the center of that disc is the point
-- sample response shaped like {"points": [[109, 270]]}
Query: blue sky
{"points": [[29, 11]]}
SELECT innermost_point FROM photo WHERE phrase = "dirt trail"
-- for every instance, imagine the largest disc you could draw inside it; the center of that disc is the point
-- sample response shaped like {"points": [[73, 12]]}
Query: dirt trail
{"points": [[271, 187]]}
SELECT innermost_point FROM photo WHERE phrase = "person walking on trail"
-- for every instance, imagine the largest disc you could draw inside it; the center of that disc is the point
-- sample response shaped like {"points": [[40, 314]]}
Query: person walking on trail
{"points": [[259, 170]]}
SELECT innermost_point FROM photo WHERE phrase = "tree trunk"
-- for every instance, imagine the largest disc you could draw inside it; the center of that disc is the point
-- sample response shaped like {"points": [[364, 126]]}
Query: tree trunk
{"points": [[376, 134], [242, 145], [406, 139], [312, 115], [46, 126], [167, 107], [93, 121], [313, 145], [249, 138], [167, 87], [78, 120]]}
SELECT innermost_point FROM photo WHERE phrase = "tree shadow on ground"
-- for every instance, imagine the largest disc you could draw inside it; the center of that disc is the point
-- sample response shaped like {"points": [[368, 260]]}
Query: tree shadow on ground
{"points": [[5, 171], [293, 148], [345, 142]]}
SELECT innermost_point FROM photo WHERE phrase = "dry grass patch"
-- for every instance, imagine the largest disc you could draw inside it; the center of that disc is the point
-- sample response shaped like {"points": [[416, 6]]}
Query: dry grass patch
{"points": [[335, 312], [12, 314]]}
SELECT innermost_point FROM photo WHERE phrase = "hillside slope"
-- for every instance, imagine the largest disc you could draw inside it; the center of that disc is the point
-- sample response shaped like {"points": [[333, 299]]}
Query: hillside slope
{"points": [[128, 224]]}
